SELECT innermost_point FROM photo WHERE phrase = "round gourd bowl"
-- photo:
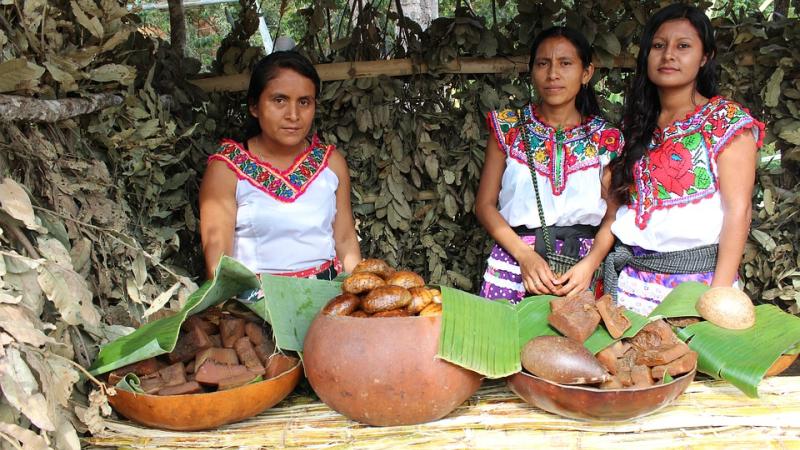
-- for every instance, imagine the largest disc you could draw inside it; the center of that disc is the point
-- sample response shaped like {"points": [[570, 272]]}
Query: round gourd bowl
{"points": [[783, 363], [384, 371], [590, 403], [193, 412]]}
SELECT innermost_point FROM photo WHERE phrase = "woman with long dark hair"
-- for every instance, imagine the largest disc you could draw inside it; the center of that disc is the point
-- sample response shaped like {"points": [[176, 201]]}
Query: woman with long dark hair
{"points": [[279, 200], [686, 174], [569, 145]]}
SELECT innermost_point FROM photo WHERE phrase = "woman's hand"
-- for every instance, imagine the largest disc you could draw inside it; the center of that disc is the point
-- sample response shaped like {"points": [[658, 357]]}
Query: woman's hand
{"points": [[577, 279], [536, 274]]}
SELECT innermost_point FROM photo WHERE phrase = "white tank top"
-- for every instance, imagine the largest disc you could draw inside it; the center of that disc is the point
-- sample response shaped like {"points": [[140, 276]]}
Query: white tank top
{"points": [[284, 219]]}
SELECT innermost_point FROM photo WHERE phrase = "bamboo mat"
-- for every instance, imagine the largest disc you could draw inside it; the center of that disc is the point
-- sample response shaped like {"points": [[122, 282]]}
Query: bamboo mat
{"points": [[708, 415]]}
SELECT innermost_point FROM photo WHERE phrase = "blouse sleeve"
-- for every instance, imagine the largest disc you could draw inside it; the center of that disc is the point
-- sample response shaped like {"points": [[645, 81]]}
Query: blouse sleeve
{"points": [[729, 121], [502, 127], [611, 144]]}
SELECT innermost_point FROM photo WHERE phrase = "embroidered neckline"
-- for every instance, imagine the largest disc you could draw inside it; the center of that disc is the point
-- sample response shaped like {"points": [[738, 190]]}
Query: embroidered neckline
{"points": [[699, 111], [283, 185], [556, 153], [533, 112], [680, 166]]}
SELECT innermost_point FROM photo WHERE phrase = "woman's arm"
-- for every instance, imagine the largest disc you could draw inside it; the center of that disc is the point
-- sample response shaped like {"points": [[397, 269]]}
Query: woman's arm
{"points": [[536, 274], [737, 172], [579, 277], [217, 213], [344, 228]]}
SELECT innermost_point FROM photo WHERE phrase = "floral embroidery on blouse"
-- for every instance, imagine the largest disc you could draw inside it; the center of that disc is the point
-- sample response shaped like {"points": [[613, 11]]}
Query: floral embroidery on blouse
{"points": [[285, 186], [680, 166], [556, 153]]}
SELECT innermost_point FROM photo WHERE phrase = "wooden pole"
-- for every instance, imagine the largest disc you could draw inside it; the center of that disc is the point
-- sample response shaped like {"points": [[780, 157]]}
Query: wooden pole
{"points": [[394, 68]]}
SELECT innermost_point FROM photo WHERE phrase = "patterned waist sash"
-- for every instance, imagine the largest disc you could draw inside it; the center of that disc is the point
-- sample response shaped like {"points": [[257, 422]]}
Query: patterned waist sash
{"points": [[324, 267], [325, 271], [693, 260]]}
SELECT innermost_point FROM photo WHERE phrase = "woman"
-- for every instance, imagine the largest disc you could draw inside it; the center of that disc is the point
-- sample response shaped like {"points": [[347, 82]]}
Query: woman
{"points": [[279, 201], [571, 146], [686, 174]]}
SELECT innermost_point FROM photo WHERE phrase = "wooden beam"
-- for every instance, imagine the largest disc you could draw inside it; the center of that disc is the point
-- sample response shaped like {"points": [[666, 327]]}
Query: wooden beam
{"points": [[393, 68]]}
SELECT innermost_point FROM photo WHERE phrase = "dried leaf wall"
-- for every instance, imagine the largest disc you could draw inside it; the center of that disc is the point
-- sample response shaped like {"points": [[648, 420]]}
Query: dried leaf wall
{"points": [[98, 214]]}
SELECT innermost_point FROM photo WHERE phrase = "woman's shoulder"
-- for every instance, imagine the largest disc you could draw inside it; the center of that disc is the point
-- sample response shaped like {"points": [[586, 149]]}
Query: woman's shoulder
{"points": [[726, 119], [508, 116], [606, 135]]}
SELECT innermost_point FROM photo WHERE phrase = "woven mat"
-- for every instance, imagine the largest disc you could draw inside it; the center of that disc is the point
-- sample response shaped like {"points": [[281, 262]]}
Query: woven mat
{"points": [[709, 414]]}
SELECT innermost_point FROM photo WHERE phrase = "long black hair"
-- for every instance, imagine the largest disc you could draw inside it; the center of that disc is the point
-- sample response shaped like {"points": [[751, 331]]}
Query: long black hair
{"points": [[585, 102], [642, 104], [265, 71]]}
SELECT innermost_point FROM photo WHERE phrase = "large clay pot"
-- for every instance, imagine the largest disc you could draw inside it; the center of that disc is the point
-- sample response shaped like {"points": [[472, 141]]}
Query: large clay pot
{"points": [[203, 411], [384, 371], [589, 403]]}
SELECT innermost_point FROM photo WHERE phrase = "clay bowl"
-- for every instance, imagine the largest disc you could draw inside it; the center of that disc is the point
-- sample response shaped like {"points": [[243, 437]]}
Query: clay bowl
{"points": [[193, 412], [783, 363], [589, 403], [384, 371]]}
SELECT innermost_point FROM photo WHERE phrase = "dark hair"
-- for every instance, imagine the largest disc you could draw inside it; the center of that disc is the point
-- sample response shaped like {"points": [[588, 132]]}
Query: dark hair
{"points": [[642, 104], [265, 71], [585, 102]]}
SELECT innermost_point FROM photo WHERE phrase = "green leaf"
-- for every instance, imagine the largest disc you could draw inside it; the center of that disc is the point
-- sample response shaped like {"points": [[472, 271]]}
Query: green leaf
{"points": [[680, 301], [532, 315], [160, 336], [742, 357], [15, 72], [609, 42], [479, 334], [600, 339], [773, 90], [290, 305]]}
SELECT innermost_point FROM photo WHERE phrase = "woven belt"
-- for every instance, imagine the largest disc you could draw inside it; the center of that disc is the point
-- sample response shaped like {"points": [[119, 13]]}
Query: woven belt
{"points": [[693, 260]]}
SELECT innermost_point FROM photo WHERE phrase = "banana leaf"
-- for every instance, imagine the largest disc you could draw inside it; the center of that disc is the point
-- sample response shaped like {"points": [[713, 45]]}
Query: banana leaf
{"points": [[160, 336], [290, 304], [479, 334], [742, 357], [680, 301], [487, 336]]}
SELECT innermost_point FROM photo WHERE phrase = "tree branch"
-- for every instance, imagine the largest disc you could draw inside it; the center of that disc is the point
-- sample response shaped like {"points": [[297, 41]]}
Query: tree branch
{"points": [[14, 107]]}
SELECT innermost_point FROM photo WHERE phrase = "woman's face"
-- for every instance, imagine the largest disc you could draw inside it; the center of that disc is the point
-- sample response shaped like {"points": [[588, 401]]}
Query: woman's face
{"points": [[676, 55], [558, 72], [285, 109]]}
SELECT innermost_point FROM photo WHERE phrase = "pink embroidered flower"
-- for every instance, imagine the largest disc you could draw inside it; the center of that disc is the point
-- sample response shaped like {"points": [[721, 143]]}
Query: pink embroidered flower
{"points": [[610, 140], [263, 176], [718, 125], [671, 167], [240, 158], [572, 158], [275, 185]]}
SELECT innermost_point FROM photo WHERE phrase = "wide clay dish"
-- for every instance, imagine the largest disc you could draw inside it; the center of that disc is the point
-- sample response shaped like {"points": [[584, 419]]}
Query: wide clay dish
{"points": [[590, 403], [384, 371], [204, 411]]}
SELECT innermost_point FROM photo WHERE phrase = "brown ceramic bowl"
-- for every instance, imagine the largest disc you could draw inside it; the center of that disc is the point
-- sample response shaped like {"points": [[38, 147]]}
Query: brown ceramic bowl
{"points": [[384, 371], [783, 363], [204, 411], [589, 403]]}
